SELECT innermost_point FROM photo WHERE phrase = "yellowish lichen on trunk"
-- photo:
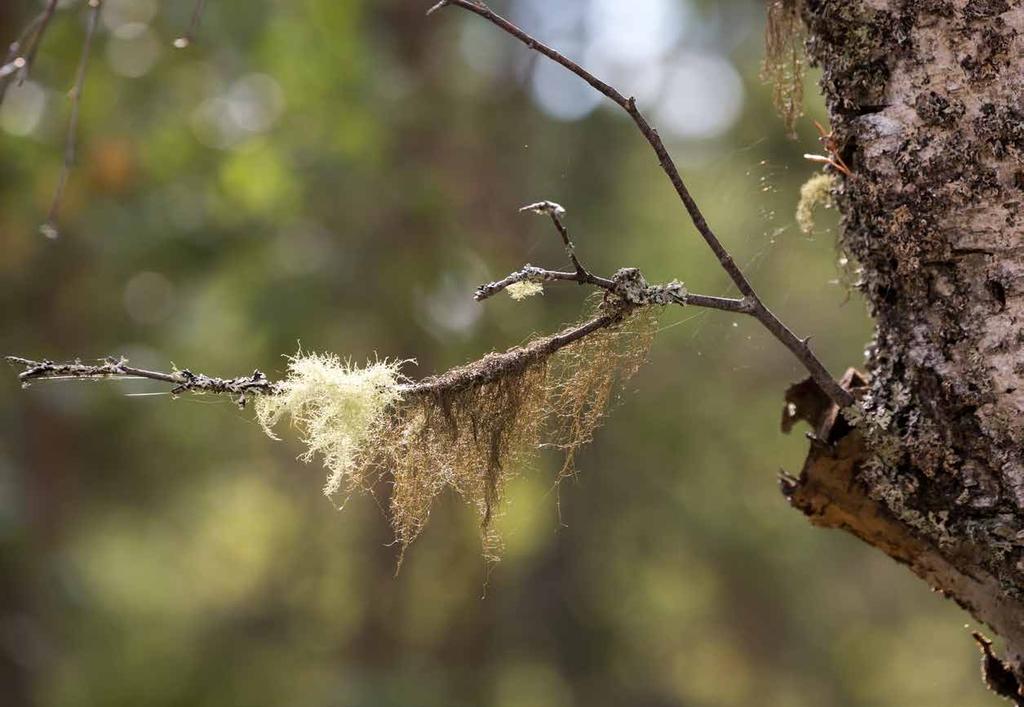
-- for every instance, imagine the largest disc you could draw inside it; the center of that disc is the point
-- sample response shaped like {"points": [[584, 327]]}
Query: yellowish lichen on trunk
{"points": [[815, 192]]}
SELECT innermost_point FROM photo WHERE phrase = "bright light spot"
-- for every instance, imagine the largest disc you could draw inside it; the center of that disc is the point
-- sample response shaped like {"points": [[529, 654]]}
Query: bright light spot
{"points": [[703, 97], [132, 50], [444, 310], [250, 106], [122, 12], [212, 124], [478, 48], [641, 81], [636, 31], [149, 298], [560, 94], [255, 102], [550, 22], [23, 108]]}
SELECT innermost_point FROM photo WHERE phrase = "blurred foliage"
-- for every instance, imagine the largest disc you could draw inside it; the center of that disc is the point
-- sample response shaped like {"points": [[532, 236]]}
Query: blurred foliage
{"points": [[344, 174]]}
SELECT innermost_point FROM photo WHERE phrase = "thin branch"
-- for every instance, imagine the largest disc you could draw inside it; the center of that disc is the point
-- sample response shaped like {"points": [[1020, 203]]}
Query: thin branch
{"points": [[193, 26], [556, 212], [37, 38], [500, 365], [184, 381], [799, 347], [242, 388], [528, 273], [49, 229]]}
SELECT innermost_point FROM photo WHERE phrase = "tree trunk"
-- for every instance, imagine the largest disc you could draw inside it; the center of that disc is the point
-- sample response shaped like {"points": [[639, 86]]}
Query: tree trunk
{"points": [[926, 99]]}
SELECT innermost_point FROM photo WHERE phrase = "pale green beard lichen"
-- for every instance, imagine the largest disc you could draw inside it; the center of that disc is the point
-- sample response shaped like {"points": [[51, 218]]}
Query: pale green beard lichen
{"points": [[468, 430], [521, 290], [336, 405], [816, 191]]}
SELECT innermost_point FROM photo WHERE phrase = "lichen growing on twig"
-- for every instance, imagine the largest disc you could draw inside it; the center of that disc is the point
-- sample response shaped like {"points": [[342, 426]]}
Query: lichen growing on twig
{"points": [[336, 406], [521, 290], [469, 430]]}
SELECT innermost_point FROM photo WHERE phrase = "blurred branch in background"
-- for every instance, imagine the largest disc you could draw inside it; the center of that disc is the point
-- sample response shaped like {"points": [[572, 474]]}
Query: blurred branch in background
{"points": [[20, 57], [22, 51], [193, 26], [49, 228], [18, 63]]}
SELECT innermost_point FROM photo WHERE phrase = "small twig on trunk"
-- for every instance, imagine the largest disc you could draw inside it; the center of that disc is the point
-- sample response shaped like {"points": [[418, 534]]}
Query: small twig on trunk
{"points": [[49, 229], [799, 347]]}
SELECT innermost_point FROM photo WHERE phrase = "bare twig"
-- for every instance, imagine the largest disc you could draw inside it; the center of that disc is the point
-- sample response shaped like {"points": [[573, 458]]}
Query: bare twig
{"points": [[799, 347], [184, 381], [193, 26], [555, 211], [37, 38], [643, 294], [49, 229], [833, 159]]}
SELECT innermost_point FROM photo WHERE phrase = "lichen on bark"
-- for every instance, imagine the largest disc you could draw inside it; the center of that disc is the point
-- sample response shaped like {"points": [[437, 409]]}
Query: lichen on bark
{"points": [[926, 99]]}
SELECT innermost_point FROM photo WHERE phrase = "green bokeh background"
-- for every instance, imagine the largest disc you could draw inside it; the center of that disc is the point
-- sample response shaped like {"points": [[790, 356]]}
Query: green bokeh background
{"points": [[166, 552]]}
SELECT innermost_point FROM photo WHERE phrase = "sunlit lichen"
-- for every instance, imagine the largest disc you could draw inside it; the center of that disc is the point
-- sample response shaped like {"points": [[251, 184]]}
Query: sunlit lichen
{"points": [[336, 406], [521, 290], [469, 430]]}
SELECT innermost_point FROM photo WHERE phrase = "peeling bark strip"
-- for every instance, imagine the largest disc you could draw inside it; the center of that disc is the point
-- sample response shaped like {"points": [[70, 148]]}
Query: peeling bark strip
{"points": [[926, 99], [831, 492]]}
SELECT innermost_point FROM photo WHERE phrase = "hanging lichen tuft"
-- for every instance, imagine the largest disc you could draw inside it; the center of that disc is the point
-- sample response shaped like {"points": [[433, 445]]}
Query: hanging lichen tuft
{"points": [[815, 192], [336, 406], [584, 379], [783, 65], [470, 429]]}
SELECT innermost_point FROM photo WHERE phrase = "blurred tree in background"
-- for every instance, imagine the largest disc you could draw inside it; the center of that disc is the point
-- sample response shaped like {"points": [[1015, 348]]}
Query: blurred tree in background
{"points": [[343, 174]]}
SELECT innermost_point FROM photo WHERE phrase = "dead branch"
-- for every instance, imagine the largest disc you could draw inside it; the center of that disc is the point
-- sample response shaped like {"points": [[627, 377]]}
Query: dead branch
{"points": [[798, 346], [184, 381]]}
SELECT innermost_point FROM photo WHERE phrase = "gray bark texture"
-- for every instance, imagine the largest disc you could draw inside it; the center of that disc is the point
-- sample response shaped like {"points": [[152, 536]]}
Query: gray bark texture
{"points": [[926, 99]]}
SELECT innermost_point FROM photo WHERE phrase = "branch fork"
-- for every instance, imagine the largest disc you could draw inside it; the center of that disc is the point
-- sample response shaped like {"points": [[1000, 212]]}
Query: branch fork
{"points": [[626, 289], [750, 303]]}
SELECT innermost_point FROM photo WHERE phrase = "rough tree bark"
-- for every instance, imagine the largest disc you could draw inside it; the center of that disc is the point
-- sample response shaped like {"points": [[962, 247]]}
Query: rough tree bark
{"points": [[926, 99]]}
